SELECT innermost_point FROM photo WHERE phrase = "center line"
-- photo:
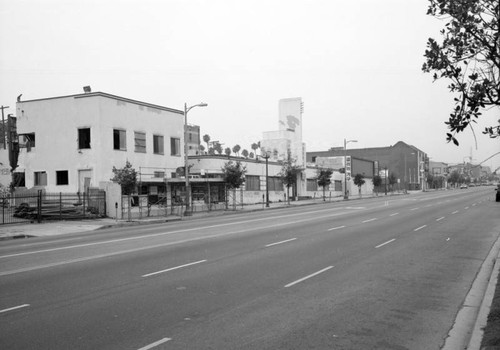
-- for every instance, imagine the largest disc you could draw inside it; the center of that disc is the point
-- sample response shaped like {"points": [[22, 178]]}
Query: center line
{"points": [[369, 220], [14, 308], [335, 228], [288, 240], [383, 244], [419, 228], [311, 275], [156, 343], [173, 268], [441, 218]]}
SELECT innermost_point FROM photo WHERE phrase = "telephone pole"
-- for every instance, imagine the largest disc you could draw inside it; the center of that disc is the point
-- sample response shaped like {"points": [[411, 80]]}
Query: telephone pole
{"points": [[3, 127]]}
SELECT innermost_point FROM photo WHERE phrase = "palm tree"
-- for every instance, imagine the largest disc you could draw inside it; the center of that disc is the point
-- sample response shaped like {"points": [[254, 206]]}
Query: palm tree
{"points": [[201, 148], [206, 138], [227, 151], [236, 150], [255, 146], [244, 153]]}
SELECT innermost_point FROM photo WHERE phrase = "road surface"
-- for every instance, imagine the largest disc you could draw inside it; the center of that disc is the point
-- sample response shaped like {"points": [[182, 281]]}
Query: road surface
{"points": [[383, 273]]}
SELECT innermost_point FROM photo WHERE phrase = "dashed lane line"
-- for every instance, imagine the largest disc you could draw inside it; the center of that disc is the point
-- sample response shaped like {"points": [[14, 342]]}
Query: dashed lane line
{"points": [[383, 244], [394, 214], [281, 242], [309, 276], [14, 308], [155, 344], [336, 228], [173, 268], [441, 218], [456, 211], [369, 220], [419, 228]]}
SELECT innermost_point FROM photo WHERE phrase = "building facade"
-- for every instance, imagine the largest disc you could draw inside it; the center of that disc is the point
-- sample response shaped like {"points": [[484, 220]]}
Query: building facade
{"points": [[71, 143], [407, 163]]}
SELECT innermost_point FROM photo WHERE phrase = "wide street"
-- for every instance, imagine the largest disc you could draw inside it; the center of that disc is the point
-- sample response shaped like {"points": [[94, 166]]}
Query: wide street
{"points": [[381, 273]]}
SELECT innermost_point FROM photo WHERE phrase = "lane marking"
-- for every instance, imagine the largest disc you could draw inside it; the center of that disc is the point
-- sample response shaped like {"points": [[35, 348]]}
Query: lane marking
{"points": [[394, 214], [14, 308], [307, 277], [441, 218], [383, 244], [419, 228], [355, 208], [466, 208], [156, 343], [173, 268], [201, 229], [288, 240], [369, 220], [414, 209], [335, 228], [456, 211]]}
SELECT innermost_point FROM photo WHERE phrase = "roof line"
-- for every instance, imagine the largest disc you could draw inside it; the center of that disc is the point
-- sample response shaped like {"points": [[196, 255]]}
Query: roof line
{"points": [[115, 97]]}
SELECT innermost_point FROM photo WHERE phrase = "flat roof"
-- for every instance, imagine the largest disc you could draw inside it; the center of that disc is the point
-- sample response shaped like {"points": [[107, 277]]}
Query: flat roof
{"points": [[114, 97]]}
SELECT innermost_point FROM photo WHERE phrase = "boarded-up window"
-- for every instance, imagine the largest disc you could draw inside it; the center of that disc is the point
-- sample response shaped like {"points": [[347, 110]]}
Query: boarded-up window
{"points": [[312, 185], [140, 142], [338, 185], [252, 183]]}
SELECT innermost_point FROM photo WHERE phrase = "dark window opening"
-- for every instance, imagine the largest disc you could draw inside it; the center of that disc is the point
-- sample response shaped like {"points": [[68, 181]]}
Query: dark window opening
{"points": [[83, 138], [62, 177]]}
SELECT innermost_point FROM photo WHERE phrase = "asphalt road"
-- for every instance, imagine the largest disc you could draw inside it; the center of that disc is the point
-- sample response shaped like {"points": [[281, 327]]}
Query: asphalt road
{"points": [[371, 274]]}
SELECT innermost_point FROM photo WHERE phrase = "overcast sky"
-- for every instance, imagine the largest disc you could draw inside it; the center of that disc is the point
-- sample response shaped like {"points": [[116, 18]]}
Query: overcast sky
{"points": [[356, 65]]}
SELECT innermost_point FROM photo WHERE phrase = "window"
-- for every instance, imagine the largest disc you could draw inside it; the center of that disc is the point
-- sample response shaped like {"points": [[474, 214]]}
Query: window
{"points": [[275, 184], [312, 185], [157, 144], [159, 174], [119, 140], [62, 177], [140, 142], [175, 146], [83, 138], [252, 183], [40, 178], [28, 140], [338, 185]]}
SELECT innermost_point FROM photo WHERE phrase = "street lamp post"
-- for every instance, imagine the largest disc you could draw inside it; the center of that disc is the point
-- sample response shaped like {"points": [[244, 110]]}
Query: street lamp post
{"points": [[187, 212], [266, 156], [345, 166]]}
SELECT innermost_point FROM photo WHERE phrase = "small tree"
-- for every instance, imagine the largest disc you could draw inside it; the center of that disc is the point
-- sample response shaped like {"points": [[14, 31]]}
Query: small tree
{"points": [[359, 180], [392, 180], [251, 155], [201, 149], [324, 179], [218, 148], [126, 177], [377, 181], [288, 174], [233, 174], [244, 153]]}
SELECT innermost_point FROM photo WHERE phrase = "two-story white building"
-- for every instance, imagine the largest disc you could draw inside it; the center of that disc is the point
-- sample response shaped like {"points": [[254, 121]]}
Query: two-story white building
{"points": [[70, 143]]}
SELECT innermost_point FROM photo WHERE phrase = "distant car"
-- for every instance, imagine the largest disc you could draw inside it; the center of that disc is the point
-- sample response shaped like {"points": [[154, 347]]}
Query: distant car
{"points": [[464, 186]]}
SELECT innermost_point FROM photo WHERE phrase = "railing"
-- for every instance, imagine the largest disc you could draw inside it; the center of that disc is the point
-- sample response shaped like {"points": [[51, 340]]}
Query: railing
{"points": [[31, 206]]}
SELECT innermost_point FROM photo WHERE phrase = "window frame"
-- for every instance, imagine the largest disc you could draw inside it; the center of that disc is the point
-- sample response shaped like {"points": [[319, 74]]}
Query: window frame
{"points": [[122, 139], [158, 147], [60, 172], [38, 177], [82, 143], [175, 142], [252, 183]]}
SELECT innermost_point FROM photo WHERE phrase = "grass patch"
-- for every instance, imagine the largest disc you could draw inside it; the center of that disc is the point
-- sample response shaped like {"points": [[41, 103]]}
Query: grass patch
{"points": [[491, 338]]}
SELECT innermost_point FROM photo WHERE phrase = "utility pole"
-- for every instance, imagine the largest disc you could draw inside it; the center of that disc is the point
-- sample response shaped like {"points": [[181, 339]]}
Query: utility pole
{"points": [[3, 127]]}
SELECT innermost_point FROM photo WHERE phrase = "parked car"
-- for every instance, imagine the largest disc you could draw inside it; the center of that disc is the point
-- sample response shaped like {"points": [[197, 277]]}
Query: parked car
{"points": [[463, 186]]}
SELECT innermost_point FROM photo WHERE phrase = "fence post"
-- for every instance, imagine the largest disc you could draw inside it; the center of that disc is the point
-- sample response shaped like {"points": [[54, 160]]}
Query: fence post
{"points": [[60, 205], [84, 192]]}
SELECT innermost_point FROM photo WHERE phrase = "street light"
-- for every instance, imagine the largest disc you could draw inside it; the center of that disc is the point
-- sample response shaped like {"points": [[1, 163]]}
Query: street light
{"points": [[406, 181], [266, 156], [345, 166], [186, 167]]}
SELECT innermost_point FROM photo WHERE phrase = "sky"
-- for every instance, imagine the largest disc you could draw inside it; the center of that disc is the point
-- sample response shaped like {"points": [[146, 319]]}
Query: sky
{"points": [[355, 64]]}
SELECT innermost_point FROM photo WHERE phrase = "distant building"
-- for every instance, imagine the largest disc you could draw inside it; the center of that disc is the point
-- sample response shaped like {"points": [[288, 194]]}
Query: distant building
{"points": [[193, 139], [409, 164]]}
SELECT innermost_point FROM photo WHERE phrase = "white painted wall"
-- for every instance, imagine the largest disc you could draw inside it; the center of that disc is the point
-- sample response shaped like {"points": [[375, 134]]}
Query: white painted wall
{"points": [[56, 122]]}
